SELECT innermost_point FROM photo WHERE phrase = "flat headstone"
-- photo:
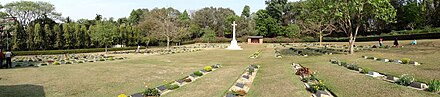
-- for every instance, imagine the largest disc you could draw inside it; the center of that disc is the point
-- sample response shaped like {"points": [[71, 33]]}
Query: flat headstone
{"points": [[137, 95], [203, 71], [162, 88], [240, 85], [374, 74], [246, 76], [414, 63], [386, 60], [230, 95], [418, 85], [321, 93], [307, 85], [365, 57], [180, 81], [193, 75], [392, 78]]}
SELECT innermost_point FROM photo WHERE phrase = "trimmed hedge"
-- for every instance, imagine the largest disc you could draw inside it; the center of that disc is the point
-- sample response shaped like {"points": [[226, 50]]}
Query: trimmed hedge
{"points": [[71, 51], [385, 37]]}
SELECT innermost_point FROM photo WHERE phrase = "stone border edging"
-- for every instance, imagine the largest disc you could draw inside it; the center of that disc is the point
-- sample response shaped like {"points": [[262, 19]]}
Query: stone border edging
{"points": [[242, 85], [397, 61]]}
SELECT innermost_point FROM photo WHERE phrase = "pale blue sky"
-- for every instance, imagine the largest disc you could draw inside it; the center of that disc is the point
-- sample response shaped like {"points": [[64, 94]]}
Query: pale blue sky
{"points": [[87, 9]]}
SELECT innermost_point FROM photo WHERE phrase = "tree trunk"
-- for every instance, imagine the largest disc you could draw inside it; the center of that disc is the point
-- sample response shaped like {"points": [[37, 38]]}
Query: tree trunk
{"points": [[168, 42], [105, 49], [320, 38]]}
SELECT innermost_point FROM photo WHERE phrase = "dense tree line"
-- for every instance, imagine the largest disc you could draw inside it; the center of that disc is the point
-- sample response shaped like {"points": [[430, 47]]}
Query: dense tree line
{"points": [[38, 27]]}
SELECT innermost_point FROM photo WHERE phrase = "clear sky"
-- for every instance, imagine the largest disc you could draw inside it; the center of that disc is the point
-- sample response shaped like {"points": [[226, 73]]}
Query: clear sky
{"points": [[88, 9]]}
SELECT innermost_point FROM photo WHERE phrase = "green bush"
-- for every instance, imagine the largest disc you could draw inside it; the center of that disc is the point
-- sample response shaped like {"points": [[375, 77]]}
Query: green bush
{"points": [[251, 70], [56, 63], [80, 61], [43, 64], [207, 68], [317, 86], [405, 80], [365, 70], [171, 86], [68, 62], [101, 59], [405, 60], [434, 86], [151, 92], [353, 67], [198, 73]]}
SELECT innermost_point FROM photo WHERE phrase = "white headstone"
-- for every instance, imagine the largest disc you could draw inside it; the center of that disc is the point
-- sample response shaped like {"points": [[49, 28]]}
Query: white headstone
{"points": [[234, 45]]}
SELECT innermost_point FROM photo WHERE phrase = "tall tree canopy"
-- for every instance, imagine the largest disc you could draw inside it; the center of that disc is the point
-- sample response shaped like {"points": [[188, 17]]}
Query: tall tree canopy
{"points": [[27, 11]]}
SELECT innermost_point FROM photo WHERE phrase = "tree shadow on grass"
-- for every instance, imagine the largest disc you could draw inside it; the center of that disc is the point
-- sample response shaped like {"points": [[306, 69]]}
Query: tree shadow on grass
{"points": [[24, 90]]}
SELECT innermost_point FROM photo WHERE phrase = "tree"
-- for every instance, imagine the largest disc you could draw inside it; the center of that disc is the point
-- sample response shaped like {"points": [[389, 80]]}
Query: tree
{"points": [[135, 15], [163, 24], [48, 37], [27, 11], [266, 25], [276, 8], [317, 17], [30, 37], [352, 14], [78, 35], [59, 40], [38, 36], [208, 35], [103, 33], [85, 38], [68, 36], [246, 12], [19, 38], [215, 18]]}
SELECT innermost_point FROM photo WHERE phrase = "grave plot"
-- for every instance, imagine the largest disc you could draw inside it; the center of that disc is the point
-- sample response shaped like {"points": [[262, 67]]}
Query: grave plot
{"points": [[255, 55], [44, 60], [311, 83], [160, 51], [203, 45], [397, 61], [299, 52], [168, 87], [243, 84], [405, 79]]}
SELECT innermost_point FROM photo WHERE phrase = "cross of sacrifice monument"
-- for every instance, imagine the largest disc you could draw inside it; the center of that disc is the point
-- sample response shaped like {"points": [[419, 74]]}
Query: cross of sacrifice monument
{"points": [[234, 45]]}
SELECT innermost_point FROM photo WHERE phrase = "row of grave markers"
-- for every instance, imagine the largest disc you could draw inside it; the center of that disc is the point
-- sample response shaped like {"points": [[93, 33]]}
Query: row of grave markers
{"points": [[385, 77], [391, 60], [242, 85]]}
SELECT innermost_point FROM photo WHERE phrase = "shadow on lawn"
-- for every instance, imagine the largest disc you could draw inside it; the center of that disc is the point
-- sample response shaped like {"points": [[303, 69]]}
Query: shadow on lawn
{"points": [[24, 90]]}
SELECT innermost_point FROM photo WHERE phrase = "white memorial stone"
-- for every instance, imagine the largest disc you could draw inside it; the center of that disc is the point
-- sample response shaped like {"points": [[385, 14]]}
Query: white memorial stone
{"points": [[374, 74], [234, 45]]}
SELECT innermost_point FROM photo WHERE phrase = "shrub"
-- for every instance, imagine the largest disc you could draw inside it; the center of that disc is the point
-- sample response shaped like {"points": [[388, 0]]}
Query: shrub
{"points": [[122, 95], [405, 60], [251, 70], [353, 67], [56, 63], [365, 70], [318, 86], [172, 86], [198, 73], [151, 92], [343, 64], [43, 64], [207, 68], [405, 80], [434, 86], [80, 61], [303, 71], [68, 62]]}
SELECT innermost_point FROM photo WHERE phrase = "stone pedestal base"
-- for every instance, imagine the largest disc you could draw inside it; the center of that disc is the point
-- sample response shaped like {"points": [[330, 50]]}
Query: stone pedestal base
{"points": [[234, 46]]}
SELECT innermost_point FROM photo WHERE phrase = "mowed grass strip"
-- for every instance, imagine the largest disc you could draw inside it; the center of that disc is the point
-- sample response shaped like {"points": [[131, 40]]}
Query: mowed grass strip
{"points": [[276, 78], [211, 85], [101, 79], [346, 83]]}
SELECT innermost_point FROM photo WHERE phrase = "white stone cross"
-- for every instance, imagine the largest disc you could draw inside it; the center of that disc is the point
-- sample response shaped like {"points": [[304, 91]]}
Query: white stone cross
{"points": [[234, 45]]}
